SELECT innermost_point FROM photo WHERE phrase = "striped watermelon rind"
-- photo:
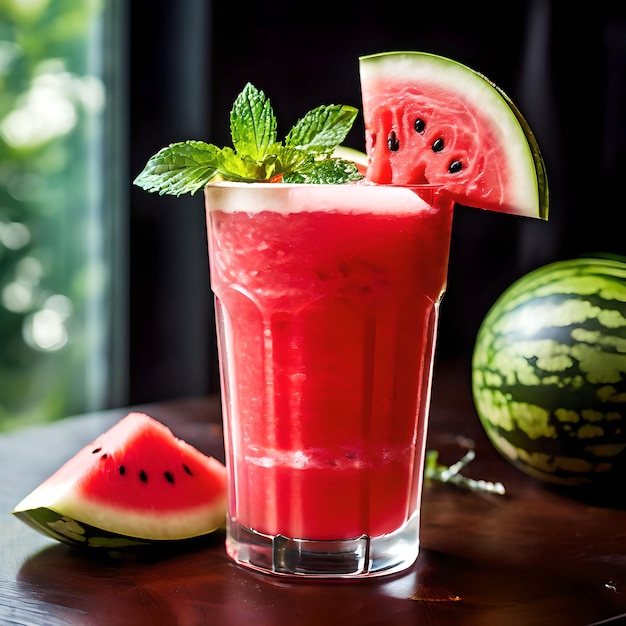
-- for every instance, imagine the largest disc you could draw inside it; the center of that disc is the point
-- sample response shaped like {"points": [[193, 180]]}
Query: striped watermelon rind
{"points": [[79, 534], [549, 372]]}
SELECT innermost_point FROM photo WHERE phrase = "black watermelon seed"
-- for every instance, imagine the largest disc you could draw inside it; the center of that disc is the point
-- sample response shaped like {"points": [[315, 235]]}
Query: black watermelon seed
{"points": [[169, 477], [437, 145], [143, 477], [392, 141], [96, 450], [419, 125], [187, 470], [122, 470], [104, 456], [455, 166]]}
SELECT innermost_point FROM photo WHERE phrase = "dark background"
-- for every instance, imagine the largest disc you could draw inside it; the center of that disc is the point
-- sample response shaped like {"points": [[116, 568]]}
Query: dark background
{"points": [[565, 68]]}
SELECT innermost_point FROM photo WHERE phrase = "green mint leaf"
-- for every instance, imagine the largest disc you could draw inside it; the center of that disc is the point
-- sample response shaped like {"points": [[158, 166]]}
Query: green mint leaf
{"points": [[304, 156], [289, 159], [322, 129], [179, 168], [325, 172], [252, 123], [243, 168], [240, 168]]}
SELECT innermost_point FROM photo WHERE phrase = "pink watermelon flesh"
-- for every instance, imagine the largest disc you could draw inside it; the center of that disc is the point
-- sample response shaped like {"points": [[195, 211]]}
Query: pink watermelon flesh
{"points": [[138, 480], [425, 123]]}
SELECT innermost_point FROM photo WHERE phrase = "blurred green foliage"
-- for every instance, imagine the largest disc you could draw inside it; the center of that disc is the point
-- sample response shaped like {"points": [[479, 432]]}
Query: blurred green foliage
{"points": [[53, 277]]}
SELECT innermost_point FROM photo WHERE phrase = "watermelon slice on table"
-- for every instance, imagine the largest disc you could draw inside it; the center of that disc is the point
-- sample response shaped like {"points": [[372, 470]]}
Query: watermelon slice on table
{"points": [[432, 120], [135, 485]]}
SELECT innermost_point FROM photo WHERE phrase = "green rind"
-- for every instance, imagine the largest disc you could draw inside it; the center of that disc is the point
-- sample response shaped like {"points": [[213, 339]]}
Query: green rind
{"points": [[79, 534], [543, 190], [444, 64], [549, 371], [149, 524], [351, 154]]}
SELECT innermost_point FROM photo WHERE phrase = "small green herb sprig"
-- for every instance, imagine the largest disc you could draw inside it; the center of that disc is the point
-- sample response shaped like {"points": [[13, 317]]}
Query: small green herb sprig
{"points": [[437, 472], [305, 155]]}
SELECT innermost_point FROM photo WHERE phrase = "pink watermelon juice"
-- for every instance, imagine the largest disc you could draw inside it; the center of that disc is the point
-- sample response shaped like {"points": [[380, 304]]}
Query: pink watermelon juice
{"points": [[326, 302]]}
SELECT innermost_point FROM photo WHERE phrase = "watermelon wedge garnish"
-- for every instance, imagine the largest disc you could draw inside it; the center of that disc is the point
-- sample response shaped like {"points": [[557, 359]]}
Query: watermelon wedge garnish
{"points": [[431, 120], [135, 485]]}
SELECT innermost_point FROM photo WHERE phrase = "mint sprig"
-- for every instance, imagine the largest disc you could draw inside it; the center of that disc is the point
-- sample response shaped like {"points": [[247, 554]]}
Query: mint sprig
{"points": [[305, 155], [435, 471]]}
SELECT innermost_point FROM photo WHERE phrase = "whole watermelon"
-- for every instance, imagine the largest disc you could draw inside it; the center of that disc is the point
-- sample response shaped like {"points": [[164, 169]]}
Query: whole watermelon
{"points": [[549, 372]]}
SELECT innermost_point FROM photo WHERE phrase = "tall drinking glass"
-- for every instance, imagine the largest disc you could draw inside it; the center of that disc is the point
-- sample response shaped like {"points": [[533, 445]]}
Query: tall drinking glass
{"points": [[327, 302]]}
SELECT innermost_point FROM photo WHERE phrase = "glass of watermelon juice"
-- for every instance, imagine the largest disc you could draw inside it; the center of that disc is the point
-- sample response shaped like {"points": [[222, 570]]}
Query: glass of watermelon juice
{"points": [[327, 302]]}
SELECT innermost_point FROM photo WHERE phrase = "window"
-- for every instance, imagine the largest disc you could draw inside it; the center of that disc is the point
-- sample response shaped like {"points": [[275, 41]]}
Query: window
{"points": [[62, 251]]}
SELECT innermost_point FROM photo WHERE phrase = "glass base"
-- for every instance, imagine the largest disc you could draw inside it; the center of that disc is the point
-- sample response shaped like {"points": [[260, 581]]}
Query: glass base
{"points": [[361, 557]]}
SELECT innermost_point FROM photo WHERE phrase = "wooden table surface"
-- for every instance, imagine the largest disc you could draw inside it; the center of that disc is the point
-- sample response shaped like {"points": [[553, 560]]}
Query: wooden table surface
{"points": [[532, 557]]}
